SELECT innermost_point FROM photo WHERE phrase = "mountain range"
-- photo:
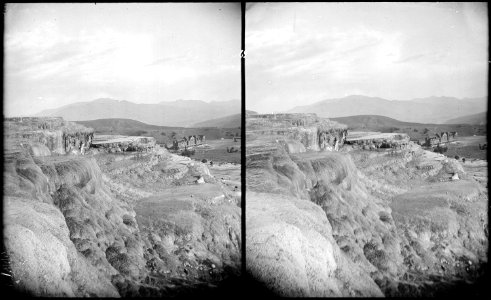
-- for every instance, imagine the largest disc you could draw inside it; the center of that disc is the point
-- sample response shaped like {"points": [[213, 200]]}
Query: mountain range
{"points": [[197, 113], [435, 110], [176, 113]]}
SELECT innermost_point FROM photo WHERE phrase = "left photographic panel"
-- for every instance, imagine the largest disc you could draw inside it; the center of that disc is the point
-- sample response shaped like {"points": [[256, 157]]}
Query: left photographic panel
{"points": [[122, 151]]}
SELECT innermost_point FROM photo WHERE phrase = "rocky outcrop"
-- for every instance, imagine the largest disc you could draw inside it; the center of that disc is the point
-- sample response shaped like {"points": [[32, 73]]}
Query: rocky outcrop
{"points": [[290, 248], [188, 142], [291, 130], [376, 140], [116, 143], [67, 234], [59, 136], [190, 231], [45, 203]]}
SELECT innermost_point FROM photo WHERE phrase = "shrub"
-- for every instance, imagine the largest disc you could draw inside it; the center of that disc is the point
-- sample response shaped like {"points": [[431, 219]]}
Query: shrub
{"points": [[129, 221], [187, 152], [440, 150], [384, 217], [122, 263], [137, 132], [376, 257]]}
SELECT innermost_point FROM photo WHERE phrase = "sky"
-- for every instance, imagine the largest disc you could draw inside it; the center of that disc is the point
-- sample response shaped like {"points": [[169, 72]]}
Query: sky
{"points": [[299, 54], [58, 54]]}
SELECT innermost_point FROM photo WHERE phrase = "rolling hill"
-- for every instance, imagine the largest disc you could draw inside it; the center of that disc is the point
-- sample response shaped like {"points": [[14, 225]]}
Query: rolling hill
{"points": [[436, 110], [370, 121], [231, 121], [475, 119], [122, 124], [176, 113]]}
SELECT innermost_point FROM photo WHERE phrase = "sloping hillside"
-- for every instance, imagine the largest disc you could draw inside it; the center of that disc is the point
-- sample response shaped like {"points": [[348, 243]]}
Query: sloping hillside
{"points": [[177, 113], [370, 121], [427, 110], [121, 124], [232, 121], [475, 119]]}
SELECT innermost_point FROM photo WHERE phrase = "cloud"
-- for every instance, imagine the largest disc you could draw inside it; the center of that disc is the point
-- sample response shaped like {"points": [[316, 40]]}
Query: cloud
{"points": [[66, 53], [309, 52]]}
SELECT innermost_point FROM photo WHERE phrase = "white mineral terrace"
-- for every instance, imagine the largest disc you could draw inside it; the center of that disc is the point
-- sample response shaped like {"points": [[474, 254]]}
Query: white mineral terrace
{"points": [[110, 139], [360, 135]]}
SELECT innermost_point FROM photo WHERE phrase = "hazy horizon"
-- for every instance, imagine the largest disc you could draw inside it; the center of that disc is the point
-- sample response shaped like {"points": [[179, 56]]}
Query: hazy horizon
{"points": [[142, 102], [320, 100], [58, 54], [302, 53]]}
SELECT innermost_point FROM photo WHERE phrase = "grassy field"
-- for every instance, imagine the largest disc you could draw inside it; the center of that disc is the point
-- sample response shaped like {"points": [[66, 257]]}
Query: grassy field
{"points": [[468, 147], [218, 151]]}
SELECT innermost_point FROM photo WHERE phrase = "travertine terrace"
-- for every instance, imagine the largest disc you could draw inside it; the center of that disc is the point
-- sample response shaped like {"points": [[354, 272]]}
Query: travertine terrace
{"points": [[376, 140], [126, 218], [56, 134], [378, 217], [115, 143], [298, 132]]}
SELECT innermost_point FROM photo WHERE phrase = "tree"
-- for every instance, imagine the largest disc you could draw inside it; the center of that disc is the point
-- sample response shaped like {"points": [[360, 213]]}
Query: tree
{"points": [[426, 130]]}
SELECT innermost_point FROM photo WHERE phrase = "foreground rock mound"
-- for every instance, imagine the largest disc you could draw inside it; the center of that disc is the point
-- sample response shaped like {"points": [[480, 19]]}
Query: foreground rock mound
{"points": [[395, 225], [45, 249], [290, 246], [56, 134], [130, 228]]}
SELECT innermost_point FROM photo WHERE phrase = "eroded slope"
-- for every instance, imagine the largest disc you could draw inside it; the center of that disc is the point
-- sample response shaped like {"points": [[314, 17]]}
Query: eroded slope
{"points": [[396, 217], [151, 224]]}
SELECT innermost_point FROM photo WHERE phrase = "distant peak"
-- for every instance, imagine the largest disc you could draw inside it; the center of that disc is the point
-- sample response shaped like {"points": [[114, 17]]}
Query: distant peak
{"points": [[110, 101], [357, 96], [104, 100], [182, 101]]}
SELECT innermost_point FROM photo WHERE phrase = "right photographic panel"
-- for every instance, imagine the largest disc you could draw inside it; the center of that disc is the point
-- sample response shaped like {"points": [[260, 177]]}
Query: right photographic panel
{"points": [[366, 148]]}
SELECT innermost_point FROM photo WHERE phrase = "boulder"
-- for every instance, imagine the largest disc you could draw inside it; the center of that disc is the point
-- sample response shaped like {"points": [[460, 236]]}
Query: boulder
{"points": [[200, 180]]}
